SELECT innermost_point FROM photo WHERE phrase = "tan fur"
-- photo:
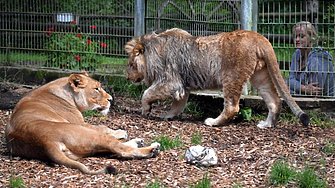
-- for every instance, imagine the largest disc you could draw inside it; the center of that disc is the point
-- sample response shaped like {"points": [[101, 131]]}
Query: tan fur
{"points": [[173, 63], [47, 124]]}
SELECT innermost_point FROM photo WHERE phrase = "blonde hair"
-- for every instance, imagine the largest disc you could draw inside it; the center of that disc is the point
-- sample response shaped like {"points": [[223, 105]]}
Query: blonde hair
{"points": [[309, 28]]}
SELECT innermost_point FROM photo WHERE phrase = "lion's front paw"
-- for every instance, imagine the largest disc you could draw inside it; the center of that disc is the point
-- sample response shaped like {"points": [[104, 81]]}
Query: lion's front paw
{"points": [[145, 113], [135, 143], [146, 109], [210, 122], [156, 148]]}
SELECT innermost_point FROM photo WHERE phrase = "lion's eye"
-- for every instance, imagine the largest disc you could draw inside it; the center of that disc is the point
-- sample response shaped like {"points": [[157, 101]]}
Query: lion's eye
{"points": [[97, 89]]}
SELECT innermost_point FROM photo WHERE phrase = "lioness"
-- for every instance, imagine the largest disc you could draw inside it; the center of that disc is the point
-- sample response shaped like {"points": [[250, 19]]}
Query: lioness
{"points": [[173, 63], [47, 124]]}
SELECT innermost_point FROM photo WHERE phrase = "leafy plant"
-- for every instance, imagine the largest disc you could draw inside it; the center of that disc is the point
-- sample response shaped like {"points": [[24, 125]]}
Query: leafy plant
{"points": [[167, 143], [196, 138], [16, 181], [281, 174], [288, 117], [329, 148], [319, 120], [193, 108], [122, 86], [73, 50], [246, 113], [155, 184], [91, 113], [204, 182], [308, 179]]}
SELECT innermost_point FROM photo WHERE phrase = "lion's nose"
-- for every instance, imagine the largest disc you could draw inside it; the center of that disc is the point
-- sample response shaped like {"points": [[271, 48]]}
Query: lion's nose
{"points": [[110, 100]]}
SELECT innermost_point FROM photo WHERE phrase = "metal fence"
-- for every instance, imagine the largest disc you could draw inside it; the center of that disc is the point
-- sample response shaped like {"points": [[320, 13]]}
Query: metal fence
{"points": [[91, 34], [65, 34]]}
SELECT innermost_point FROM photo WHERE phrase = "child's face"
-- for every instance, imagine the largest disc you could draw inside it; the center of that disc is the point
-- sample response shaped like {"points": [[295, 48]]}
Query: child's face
{"points": [[302, 39]]}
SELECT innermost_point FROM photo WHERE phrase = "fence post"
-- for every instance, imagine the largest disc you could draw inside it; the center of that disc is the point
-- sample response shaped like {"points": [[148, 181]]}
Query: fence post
{"points": [[246, 14], [254, 15], [249, 15], [139, 20]]}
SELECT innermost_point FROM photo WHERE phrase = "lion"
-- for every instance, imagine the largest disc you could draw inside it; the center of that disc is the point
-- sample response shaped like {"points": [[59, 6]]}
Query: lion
{"points": [[47, 124], [174, 63]]}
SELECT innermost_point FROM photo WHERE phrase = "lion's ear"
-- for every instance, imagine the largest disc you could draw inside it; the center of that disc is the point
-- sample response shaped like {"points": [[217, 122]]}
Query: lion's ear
{"points": [[129, 47], [139, 49], [77, 81], [84, 73]]}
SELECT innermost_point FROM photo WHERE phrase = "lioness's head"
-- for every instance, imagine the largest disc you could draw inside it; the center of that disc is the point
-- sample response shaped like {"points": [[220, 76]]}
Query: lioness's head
{"points": [[136, 61], [88, 93]]}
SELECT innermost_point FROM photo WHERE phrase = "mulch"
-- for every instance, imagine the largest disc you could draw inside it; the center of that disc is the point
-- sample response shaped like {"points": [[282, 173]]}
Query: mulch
{"points": [[245, 153]]}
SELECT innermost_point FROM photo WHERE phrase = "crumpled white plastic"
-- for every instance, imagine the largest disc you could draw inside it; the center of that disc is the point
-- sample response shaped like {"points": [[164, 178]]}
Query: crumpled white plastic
{"points": [[200, 155]]}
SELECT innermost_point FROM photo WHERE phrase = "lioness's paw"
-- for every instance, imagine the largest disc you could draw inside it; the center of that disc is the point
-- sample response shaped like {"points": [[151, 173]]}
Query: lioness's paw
{"points": [[263, 124], [135, 143], [118, 134], [156, 149], [210, 122]]}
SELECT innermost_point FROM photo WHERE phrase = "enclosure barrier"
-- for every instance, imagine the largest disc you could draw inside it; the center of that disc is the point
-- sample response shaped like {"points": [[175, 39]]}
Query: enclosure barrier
{"points": [[90, 35]]}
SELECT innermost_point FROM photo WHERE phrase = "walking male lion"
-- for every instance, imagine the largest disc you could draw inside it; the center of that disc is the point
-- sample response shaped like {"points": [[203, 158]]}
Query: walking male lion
{"points": [[173, 63], [47, 124]]}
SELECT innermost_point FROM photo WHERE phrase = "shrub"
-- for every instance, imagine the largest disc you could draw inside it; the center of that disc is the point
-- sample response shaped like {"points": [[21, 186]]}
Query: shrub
{"points": [[73, 50]]}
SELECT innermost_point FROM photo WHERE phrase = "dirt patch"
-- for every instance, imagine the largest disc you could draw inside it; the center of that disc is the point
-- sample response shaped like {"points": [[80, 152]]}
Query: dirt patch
{"points": [[245, 153]]}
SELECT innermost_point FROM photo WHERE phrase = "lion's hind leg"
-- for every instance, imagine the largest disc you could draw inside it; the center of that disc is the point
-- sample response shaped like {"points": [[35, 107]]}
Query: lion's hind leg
{"points": [[60, 155], [260, 80]]}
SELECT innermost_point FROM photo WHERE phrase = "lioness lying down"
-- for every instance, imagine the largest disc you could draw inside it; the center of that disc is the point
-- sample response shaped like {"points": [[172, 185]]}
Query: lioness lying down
{"points": [[47, 124], [173, 63]]}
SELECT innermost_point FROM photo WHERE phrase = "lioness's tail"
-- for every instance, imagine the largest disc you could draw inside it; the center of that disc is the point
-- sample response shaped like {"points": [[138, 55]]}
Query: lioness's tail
{"points": [[59, 157], [277, 79]]}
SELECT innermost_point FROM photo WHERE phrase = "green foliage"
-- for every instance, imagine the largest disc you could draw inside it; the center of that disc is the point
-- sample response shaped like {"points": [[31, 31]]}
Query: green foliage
{"points": [[121, 86], [91, 113], [155, 184], [308, 179], [246, 113], [193, 108], [288, 117], [329, 148], [73, 50], [16, 182], [167, 143], [320, 120], [16, 57], [204, 182], [281, 174], [196, 138]]}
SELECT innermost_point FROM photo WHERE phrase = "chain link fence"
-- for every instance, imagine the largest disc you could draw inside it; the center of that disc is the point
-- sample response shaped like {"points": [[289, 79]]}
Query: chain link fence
{"points": [[91, 34]]}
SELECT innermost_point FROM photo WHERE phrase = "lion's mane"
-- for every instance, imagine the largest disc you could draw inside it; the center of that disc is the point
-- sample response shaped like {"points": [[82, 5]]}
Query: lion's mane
{"points": [[177, 56]]}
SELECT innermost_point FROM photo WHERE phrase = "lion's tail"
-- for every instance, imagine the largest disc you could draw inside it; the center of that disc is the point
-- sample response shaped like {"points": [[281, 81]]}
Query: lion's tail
{"points": [[277, 79], [59, 157]]}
